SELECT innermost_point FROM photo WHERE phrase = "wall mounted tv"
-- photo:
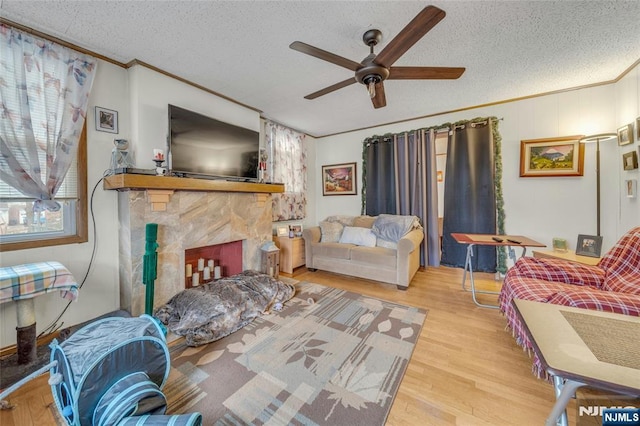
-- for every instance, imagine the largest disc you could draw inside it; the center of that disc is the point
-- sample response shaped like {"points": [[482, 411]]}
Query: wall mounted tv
{"points": [[202, 146]]}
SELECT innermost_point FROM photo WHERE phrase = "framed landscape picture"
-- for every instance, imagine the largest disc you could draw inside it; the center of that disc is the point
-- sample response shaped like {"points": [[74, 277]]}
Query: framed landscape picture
{"points": [[339, 179], [561, 156]]}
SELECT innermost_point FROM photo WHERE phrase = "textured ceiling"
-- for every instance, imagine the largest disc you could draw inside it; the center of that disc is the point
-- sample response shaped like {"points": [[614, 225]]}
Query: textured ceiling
{"points": [[240, 49]]}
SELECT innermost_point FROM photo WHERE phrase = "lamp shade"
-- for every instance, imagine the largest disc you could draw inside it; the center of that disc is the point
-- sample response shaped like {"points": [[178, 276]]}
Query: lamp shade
{"points": [[598, 138]]}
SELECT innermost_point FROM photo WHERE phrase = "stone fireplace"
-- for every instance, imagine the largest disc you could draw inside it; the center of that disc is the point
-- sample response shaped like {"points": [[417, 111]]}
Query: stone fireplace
{"points": [[188, 219]]}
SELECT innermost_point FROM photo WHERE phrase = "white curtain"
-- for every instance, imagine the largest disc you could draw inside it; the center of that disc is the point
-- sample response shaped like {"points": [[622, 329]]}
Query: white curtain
{"points": [[287, 164], [44, 94]]}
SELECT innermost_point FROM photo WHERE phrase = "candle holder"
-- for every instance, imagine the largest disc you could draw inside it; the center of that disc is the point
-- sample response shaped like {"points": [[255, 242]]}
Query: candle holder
{"points": [[160, 171]]}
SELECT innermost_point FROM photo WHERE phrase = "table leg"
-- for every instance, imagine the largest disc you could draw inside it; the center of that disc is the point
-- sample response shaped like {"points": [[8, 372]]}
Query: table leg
{"points": [[565, 390], [469, 266]]}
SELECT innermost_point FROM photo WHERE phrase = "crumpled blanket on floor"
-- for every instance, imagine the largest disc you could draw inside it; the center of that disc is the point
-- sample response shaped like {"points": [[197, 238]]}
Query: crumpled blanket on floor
{"points": [[212, 311]]}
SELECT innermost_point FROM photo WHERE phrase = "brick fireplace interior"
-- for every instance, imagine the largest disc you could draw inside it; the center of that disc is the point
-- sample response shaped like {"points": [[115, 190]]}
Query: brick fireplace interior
{"points": [[228, 256]]}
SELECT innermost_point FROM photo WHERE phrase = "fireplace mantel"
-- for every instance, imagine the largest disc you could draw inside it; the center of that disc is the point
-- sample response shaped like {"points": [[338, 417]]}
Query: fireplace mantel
{"points": [[144, 182]]}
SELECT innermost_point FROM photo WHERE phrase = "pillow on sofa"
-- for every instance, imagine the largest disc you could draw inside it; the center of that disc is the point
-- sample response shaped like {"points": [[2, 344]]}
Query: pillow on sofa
{"points": [[358, 236], [363, 221], [344, 220], [330, 232], [393, 227]]}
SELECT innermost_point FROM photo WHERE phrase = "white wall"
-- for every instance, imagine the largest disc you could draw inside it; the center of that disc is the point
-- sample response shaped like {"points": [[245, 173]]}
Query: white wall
{"points": [[541, 208], [99, 294]]}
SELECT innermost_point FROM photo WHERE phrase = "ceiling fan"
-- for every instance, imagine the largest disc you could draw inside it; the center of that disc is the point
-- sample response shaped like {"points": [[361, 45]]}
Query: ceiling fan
{"points": [[374, 69]]}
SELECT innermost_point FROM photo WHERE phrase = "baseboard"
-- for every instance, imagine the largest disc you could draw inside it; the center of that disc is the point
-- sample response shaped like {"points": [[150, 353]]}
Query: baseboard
{"points": [[44, 340]]}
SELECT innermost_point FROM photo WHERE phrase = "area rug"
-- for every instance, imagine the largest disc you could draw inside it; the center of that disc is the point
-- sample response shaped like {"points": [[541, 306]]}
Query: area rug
{"points": [[329, 357]]}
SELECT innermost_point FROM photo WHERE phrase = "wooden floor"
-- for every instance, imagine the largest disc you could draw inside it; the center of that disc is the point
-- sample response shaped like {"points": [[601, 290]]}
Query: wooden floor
{"points": [[465, 370]]}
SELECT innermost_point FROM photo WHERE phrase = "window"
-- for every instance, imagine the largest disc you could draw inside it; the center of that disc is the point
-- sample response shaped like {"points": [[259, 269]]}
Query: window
{"points": [[21, 228]]}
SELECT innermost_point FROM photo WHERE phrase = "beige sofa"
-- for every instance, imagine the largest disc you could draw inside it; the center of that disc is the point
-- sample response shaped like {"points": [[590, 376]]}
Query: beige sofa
{"points": [[388, 261]]}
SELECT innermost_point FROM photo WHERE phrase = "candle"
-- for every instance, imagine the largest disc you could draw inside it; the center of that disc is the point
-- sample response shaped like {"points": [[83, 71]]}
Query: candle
{"points": [[210, 264], [189, 270], [270, 271], [206, 274], [200, 264], [216, 273], [195, 279], [158, 155]]}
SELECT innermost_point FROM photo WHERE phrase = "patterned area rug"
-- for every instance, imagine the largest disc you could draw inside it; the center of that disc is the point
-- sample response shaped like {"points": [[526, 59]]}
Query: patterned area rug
{"points": [[329, 357]]}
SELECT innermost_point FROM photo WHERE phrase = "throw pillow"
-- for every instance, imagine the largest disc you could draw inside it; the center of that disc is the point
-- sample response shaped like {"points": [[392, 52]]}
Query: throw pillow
{"points": [[358, 236], [342, 219], [364, 221], [330, 232]]}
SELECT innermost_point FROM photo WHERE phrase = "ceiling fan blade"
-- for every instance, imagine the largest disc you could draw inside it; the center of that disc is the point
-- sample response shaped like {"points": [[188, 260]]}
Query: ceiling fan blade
{"points": [[331, 88], [379, 100], [425, 73], [414, 31], [324, 55]]}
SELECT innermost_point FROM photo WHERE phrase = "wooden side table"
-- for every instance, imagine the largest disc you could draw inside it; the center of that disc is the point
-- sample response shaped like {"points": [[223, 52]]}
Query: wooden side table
{"points": [[568, 255], [291, 253]]}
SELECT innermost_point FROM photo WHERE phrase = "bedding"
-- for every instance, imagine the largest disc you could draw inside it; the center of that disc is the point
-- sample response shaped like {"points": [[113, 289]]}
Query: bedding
{"points": [[214, 310]]}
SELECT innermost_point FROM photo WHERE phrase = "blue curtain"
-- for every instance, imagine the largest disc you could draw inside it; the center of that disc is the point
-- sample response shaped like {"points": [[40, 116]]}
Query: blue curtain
{"points": [[470, 194]]}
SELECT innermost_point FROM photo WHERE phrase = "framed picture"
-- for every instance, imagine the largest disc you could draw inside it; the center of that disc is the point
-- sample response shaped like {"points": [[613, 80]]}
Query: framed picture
{"points": [[295, 230], [339, 179], [638, 128], [631, 188], [106, 120], [282, 231], [625, 134], [561, 156], [589, 245], [630, 160]]}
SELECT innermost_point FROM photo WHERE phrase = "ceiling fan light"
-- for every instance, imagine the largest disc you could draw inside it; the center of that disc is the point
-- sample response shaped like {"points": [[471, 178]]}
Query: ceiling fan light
{"points": [[371, 88]]}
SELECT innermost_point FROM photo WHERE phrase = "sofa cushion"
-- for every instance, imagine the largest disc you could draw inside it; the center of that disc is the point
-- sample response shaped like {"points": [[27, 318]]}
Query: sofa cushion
{"points": [[342, 219], [364, 221], [606, 301], [330, 232], [560, 271], [358, 236], [333, 250], [374, 255], [622, 283], [392, 227], [386, 244]]}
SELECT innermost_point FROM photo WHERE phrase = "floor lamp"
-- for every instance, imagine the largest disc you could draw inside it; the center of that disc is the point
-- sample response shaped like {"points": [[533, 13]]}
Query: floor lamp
{"points": [[597, 139]]}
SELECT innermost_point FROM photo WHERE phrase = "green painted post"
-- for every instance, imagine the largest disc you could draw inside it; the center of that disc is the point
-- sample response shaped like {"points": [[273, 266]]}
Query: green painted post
{"points": [[150, 265]]}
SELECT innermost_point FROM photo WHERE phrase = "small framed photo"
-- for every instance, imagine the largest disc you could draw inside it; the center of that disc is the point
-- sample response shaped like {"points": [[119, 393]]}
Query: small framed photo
{"points": [[295, 230], [638, 128], [630, 160], [283, 231], [589, 245], [106, 120], [339, 179], [631, 188], [625, 134], [552, 157]]}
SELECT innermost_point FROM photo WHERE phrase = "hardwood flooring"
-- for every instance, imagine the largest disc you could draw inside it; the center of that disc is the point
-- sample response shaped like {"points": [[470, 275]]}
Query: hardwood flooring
{"points": [[466, 368]]}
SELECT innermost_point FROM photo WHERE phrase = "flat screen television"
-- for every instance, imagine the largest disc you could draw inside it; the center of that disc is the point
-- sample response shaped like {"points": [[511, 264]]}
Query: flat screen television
{"points": [[202, 146]]}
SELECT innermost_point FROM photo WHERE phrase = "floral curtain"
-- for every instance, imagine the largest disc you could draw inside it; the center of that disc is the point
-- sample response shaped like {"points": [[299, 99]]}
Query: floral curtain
{"points": [[44, 93], [287, 164]]}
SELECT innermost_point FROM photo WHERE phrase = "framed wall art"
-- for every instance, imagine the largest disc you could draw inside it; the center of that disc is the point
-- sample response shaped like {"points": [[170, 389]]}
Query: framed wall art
{"points": [[106, 120], [630, 160], [589, 245], [638, 129], [339, 179], [561, 156], [625, 134], [631, 188]]}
